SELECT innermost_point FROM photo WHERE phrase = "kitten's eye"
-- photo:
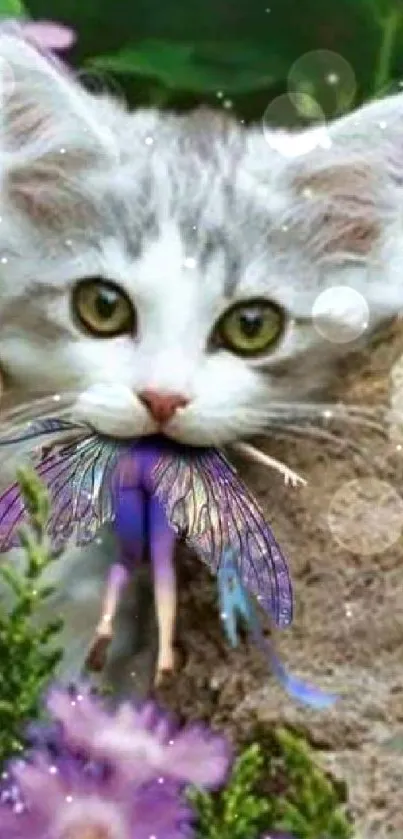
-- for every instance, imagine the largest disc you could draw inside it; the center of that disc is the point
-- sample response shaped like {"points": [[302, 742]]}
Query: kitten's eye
{"points": [[103, 309], [250, 328]]}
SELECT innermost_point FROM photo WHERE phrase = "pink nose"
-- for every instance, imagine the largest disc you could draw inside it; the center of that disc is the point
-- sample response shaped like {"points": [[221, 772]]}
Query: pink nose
{"points": [[162, 406]]}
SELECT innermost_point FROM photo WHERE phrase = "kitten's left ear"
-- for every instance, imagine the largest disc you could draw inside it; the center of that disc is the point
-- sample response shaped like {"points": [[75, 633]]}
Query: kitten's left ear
{"points": [[49, 128]]}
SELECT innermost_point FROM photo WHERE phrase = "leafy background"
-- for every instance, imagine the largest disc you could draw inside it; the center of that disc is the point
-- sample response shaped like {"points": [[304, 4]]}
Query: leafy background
{"points": [[184, 52]]}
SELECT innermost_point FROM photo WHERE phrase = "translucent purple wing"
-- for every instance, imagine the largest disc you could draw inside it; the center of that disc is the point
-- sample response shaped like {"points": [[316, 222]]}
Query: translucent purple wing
{"points": [[80, 480], [206, 502]]}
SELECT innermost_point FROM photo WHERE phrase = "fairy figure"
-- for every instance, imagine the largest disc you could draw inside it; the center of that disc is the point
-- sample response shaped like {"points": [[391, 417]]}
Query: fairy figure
{"points": [[153, 491]]}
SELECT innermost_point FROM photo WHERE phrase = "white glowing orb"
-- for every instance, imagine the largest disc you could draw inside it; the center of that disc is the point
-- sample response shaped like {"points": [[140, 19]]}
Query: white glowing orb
{"points": [[340, 314], [295, 145], [294, 126]]}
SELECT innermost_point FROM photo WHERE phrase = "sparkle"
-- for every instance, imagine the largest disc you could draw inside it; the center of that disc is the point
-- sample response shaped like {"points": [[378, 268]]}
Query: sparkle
{"points": [[332, 78], [307, 192], [69, 799], [327, 414], [149, 141], [190, 262], [284, 227], [68, 243], [228, 104], [399, 447], [62, 151], [52, 770], [4, 260], [382, 125], [57, 397], [220, 94]]}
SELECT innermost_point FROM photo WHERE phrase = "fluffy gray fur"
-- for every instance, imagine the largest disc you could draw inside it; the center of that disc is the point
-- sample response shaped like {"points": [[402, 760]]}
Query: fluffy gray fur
{"points": [[188, 214]]}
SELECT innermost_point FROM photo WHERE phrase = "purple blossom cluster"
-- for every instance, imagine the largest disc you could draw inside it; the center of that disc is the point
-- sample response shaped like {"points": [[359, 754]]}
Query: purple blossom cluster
{"points": [[99, 773]]}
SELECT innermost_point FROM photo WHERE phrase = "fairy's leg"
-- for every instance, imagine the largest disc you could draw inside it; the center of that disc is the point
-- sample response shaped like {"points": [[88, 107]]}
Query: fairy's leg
{"points": [[129, 526], [162, 545]]}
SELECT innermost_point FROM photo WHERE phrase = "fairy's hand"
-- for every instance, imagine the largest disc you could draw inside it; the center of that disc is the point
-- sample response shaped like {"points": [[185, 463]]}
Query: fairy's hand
{"points": [[292, 478]]}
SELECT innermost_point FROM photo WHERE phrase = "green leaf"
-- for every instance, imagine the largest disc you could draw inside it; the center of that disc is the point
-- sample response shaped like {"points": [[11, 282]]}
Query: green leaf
{"points": [[12, 8], [207, 67]]}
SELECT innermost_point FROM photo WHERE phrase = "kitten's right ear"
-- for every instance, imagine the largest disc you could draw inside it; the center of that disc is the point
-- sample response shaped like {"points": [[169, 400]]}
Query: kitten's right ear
{"points": [[49, 126]]}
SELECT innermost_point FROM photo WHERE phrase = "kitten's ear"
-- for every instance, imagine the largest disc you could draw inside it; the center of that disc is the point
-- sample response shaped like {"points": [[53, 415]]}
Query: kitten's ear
{"points": [[48, 129], [346, 192]]}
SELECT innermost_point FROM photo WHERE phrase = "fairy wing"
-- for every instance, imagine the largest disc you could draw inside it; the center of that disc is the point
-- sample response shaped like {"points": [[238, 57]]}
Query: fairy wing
{"points": [[207, 503], [79, 476]]}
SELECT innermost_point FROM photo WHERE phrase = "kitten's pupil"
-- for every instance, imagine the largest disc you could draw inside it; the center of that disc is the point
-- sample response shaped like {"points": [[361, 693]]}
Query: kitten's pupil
{"points": [[106, 303], [251, 323]]}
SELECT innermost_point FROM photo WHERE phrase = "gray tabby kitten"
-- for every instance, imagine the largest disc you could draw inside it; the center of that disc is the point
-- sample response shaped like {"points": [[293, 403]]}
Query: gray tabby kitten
{"points": [[165, 268]]}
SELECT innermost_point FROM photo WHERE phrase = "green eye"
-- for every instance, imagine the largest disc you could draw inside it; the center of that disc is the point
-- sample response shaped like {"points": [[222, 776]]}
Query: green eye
{"points": [[103, 309], [250, 328]]}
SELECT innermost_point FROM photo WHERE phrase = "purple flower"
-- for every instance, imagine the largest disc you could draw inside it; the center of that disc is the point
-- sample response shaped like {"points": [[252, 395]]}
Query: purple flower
{"points": [[141, 741], [45, 35], [64, 802], [95, 773]]}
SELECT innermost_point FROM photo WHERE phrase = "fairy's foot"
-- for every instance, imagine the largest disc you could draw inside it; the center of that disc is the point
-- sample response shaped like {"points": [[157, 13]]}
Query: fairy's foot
{"points": [[96, 658], [168, 665]]}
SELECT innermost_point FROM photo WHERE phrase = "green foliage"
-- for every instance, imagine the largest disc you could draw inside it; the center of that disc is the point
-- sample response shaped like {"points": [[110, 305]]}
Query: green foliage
{"points": [[237, 812], [275, 788], [183, 53], [27, 658], [12, 8], [204, 67]]}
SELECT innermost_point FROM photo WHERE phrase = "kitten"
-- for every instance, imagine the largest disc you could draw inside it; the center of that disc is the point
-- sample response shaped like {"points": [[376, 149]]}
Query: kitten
{"points": [[177, 219]]}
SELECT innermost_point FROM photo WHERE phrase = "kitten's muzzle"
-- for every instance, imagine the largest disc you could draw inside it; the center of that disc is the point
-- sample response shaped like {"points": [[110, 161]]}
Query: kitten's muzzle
{"points": [[162, 407]]}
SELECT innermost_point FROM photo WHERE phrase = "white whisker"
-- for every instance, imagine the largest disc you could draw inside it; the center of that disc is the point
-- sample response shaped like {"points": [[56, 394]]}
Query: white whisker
{"points": [[318, 434], [48, 406]]}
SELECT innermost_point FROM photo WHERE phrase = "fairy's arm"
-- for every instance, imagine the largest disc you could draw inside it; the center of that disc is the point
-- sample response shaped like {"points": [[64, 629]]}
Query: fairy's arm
{"points": [[251, 453]]}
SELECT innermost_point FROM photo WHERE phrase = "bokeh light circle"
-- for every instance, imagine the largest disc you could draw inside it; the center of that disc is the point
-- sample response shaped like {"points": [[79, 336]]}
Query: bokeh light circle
{"points": [[285, 124], [325, 77], [340, 314], [365, 516]]}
